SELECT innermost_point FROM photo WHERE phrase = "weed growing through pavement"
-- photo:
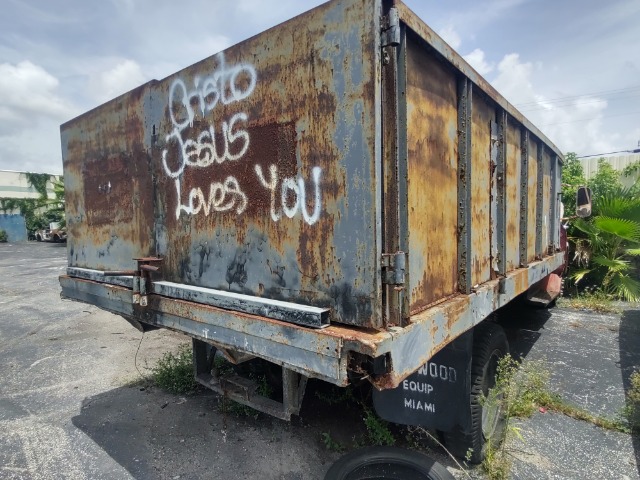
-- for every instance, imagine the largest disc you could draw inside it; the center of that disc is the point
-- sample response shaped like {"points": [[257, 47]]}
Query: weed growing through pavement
{"points": [[174, 372], [377, 429], [590, 299], [331, 444], [522, 388], [631, 411]]}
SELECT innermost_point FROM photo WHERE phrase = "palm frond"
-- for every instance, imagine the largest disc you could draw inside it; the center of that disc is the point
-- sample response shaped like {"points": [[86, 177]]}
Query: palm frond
{"points": [[625, 287], [586, 227], [578, 275], [613, 264], [619, 203], [620, 227], [634, 252]]}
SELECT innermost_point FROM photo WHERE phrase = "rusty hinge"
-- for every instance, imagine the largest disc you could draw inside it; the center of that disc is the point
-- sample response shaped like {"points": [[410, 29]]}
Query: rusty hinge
{"points": [[141, 277], [393, 268], [390, 36]]}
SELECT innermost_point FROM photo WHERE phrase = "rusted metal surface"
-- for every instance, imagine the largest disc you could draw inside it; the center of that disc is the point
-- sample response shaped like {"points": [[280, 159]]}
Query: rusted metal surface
{"points": [[548, 216], [433, 166], [532, 198], [482, 116], [288, 170], [252, 171], [108, 184], [393, 149], [513, 185], [465, 187], [417, 25], [499, 194], [524, 197], [323, 353]]}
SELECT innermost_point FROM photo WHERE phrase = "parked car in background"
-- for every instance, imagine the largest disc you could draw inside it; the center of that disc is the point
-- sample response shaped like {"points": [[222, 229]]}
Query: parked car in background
{"points": [[55, 233]]}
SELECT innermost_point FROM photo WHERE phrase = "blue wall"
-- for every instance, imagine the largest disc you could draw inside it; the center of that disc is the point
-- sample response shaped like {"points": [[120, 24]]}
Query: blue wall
{"points": [[15, 227]]}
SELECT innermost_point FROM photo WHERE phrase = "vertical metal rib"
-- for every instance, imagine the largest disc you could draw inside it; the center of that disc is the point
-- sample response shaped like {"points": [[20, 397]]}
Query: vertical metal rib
{"points": [[465, 94], [524, 195], [403, 166], [539, 202], [554, 219], [501, 191]]}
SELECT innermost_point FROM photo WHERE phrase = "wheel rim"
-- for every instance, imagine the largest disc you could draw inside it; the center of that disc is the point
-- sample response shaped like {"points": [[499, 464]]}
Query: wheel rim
{"points": [[491, 409]]}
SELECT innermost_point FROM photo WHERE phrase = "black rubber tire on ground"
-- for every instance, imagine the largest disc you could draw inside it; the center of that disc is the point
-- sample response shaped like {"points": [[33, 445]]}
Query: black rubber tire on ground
{"points": [[38, 238], [387, 463], [489, 346]]}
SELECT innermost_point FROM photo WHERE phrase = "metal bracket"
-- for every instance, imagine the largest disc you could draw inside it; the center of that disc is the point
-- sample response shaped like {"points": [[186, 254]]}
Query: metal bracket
{"points": [[245, 390], [141, 278], [394, 267], [390, 36]]}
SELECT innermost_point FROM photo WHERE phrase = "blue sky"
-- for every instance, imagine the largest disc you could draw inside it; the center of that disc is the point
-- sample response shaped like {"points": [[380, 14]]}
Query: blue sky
{"points": [[572, 67]]}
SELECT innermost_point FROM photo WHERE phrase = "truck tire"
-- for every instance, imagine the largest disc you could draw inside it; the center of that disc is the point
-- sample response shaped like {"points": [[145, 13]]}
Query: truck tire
{"points": [[487, 421], [389, 463], [38, 238]]}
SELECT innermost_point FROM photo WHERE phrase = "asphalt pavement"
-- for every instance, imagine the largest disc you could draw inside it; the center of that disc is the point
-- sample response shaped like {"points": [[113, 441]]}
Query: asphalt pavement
{"points": [[72, 404]]}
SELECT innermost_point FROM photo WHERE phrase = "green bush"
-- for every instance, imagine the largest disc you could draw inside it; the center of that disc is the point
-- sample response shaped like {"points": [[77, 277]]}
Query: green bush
{"points": [[3, 236], [174, 372]]}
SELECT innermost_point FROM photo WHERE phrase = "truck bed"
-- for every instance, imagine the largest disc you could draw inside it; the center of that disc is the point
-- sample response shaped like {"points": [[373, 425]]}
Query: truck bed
{"points": [[341, 185]]}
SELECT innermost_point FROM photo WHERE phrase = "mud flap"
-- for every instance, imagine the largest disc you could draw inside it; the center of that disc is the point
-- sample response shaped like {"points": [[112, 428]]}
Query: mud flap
{"points": [[437, 396]]}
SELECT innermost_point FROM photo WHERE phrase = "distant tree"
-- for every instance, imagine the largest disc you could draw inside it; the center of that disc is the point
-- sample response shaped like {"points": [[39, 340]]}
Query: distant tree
{"points": [[605, 182], [55, 205], [572, 178]]}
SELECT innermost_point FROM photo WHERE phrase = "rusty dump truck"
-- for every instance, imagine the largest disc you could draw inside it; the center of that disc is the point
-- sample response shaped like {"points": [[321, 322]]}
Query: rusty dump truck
{"points": [[342, 196]]}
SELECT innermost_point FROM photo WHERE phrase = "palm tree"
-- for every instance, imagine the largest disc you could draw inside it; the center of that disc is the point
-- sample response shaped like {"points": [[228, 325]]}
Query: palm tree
{"points": [[607, 243]]}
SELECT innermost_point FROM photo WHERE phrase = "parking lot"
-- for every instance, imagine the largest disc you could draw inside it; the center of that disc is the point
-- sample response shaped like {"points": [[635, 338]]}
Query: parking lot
{"points": [[72, 404]]}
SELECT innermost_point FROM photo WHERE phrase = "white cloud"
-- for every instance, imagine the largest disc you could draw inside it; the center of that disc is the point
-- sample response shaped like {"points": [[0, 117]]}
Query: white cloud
{"points": [[477, 61], [35, 148], [514, 80], [28, 92], [120, 78], [450, 36], [573, 123]]}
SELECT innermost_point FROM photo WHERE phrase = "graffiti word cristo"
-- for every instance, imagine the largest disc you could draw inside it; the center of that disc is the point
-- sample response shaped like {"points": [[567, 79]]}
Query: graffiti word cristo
{"points": [[226, 140]]}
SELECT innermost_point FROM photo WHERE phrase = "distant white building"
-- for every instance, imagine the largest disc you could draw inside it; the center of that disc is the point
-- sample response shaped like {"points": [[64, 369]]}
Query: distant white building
{"points": [[16, 185], [618, 162]]}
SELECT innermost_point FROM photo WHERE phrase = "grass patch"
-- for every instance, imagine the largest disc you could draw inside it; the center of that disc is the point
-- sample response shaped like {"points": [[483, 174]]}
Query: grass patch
{"points": [[331, 444], [631, 411], [525, 388], [595, 300], [174, 371], [238, 409], [522, 388], [336, 396], [377, 429]]}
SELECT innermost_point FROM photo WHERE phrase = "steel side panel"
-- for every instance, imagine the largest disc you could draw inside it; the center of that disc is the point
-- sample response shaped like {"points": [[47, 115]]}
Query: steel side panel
{"points": [[482, 115], [434, 328], [548, 223], [108, 183], [433, 151], [513, 167], [417, 25], [252, 171], [532, 181]]}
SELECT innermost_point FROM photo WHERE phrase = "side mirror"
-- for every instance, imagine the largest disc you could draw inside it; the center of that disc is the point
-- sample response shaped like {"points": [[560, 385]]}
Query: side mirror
{"points": [[583, 202]]}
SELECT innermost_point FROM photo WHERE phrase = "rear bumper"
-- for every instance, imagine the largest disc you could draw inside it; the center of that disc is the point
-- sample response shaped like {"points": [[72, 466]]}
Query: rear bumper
{"points": [[316, 353]]}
